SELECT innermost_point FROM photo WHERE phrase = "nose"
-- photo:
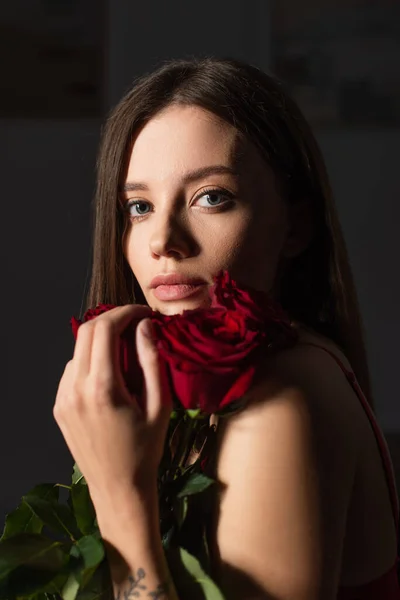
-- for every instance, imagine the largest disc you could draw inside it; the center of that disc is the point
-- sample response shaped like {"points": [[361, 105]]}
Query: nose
{"points": [[172, 238]]}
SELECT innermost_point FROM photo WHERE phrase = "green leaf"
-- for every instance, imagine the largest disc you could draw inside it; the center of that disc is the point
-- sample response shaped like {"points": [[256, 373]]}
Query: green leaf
{"points": [[30, 549], [25, 582], [92, 553], [23, 519], [42, 596], [91, 549], [168, 537], [197, 482], [58, 517], [77, 476], [97, 593], [71, 588], [100, 587], [185, 482], [181, 508], [84, 511], [55, 585], [51, 590], [193, 412], [28, 562], [46, 491], [192, 565], [190, 578]]}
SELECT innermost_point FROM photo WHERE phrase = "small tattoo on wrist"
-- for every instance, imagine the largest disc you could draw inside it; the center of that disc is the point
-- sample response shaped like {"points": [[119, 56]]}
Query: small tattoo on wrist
{"points": [[136, 587], [133, 591]]}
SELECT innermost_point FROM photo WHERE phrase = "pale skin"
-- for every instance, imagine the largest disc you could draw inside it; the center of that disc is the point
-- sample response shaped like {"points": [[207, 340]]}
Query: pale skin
{"points": [[289, 508]]}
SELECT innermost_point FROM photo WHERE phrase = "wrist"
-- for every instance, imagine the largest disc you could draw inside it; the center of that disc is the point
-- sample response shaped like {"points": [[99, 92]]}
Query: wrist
{"points": [[121, 497], [129, 526], [130, 509]]}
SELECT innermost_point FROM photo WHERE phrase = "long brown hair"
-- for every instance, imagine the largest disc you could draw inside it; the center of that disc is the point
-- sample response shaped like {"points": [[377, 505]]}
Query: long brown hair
{"points": [[317, 287]]}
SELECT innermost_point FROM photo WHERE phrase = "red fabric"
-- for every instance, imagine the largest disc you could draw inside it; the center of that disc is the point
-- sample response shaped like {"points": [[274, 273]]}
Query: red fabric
{"points": [[385, 587]]}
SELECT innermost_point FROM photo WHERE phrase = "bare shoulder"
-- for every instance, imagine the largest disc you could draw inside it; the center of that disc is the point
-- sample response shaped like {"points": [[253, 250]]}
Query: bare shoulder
{"points": [[307, 384], [324, 385], [287, 462]]}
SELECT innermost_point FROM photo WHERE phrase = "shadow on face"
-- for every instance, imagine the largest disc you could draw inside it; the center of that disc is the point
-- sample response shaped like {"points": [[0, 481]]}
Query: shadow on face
{"points": [[199, 198]]}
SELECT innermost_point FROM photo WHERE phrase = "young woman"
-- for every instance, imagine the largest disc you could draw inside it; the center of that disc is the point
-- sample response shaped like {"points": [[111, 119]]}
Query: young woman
{"points": [[208, 165]]}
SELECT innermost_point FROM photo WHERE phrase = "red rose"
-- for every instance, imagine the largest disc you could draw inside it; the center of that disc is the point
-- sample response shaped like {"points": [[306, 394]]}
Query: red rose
{"points": [[89, 315], [212, 353], [255, 306]]}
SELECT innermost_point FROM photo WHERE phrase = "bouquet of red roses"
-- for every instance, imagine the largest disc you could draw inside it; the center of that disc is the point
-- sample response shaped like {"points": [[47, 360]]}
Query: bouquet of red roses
{"points": [[52, 549]]}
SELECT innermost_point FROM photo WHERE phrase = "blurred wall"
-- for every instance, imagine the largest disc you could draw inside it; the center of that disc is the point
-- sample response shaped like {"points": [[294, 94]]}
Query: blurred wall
{"points": [[47, 175]]}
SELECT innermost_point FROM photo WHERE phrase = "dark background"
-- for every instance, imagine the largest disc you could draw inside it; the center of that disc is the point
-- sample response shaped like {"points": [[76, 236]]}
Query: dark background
{"points": [[48, 149]]}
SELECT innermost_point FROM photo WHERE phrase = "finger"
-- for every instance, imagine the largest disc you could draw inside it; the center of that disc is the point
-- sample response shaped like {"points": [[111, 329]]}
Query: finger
{"points": [[104, 357], [83, 349], [105, 367], [156, 387], [118, 319], [120, 316]]}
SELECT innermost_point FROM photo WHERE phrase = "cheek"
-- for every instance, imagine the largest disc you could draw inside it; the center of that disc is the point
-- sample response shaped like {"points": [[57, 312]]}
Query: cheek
{"points": [[230, 240], [250, 249], [134, 252]]}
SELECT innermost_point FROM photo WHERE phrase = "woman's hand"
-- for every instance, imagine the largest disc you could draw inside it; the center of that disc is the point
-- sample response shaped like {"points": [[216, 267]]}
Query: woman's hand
{"points": [[117, 446]]}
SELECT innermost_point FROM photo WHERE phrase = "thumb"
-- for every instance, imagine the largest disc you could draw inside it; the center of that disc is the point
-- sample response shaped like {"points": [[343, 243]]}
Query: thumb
{"points": [[157, 395]]}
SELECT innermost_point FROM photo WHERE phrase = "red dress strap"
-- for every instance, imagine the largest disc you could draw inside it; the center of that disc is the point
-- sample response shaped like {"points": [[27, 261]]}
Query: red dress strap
{"points": [[383, 447]]}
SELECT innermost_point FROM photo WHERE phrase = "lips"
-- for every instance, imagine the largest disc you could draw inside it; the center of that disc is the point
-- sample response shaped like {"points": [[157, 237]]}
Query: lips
{"points": [[173, 286], [175, 279]]}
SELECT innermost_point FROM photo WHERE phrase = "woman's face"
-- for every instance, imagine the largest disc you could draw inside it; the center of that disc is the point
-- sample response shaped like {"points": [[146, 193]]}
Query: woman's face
{"points": [[199, 199]]}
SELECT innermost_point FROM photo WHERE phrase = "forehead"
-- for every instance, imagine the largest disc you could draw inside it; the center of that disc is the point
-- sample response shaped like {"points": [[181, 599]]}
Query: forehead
{"points": [[184, 137]]}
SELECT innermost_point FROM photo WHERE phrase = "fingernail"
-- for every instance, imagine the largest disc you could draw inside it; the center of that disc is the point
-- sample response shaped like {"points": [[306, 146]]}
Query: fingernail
{"points": [[147, 329]]}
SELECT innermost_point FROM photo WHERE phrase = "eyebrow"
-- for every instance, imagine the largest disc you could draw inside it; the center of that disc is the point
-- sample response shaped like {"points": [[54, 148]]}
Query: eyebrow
{"points": [[190, 177]]}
